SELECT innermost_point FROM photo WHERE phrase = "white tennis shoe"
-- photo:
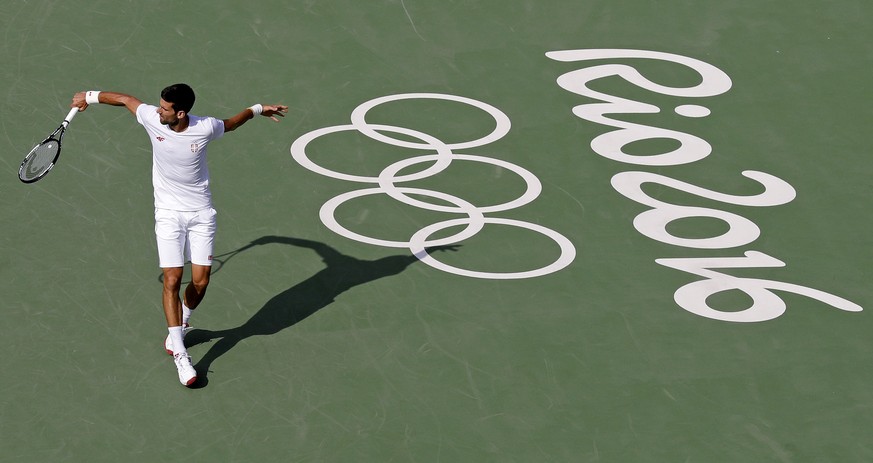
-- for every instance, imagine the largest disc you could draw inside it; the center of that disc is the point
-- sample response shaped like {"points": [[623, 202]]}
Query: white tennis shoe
{"points": [[168, 343], [187, 373]]}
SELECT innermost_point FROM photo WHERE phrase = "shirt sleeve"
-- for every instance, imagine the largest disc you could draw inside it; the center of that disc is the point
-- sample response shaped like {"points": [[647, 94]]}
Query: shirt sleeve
{"points": [[143, 111], [217, 128]]}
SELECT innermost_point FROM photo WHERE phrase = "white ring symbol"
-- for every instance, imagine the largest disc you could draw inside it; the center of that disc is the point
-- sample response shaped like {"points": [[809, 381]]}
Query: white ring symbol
{"points": [[418, 245], [475, 221], [388, 179], [298, 151], [369, 130]]}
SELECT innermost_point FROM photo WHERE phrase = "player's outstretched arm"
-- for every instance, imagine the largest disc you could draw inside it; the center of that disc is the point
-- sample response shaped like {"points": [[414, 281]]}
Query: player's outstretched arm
{"points": [[81, 100], [271, 111]]}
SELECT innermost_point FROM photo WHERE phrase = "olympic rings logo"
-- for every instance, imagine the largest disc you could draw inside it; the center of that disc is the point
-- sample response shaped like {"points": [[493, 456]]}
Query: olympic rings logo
{"points": [[440, 156]]}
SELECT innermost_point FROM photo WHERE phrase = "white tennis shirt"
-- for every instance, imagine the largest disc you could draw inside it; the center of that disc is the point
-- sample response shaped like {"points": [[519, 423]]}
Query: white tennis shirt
{"points": [[180, 175]]}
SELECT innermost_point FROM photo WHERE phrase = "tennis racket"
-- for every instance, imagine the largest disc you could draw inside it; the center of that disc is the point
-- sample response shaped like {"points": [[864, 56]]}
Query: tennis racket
{"points": [[40, 160]]}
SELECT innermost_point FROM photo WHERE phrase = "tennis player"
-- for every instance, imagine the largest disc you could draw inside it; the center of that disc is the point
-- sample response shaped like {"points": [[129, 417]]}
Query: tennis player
{"points": [[184, 216]]}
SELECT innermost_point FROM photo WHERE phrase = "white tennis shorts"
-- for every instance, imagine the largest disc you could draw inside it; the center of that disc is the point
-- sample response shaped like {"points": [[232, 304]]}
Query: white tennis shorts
{"points": [[184, 237]]}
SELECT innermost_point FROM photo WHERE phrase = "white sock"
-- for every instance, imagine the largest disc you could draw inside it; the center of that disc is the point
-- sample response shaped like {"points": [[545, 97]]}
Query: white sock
{"points": [[186, 314], [176, 338]]}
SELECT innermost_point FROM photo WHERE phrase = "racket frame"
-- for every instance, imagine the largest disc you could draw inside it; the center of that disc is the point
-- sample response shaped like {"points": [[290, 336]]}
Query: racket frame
{"points": [[57, 136]]}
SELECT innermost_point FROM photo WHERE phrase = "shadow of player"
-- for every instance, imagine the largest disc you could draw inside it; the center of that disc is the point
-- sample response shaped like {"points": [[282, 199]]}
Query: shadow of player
{"points": [[295, 304]]}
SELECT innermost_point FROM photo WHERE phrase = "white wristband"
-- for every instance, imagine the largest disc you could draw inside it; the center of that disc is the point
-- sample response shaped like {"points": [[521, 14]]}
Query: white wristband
{"points": [[257, 109], [91, 97]]}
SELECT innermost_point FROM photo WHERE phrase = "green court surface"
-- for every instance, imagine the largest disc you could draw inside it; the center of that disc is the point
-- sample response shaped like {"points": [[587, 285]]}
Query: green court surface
{"points": [[458, 246]]}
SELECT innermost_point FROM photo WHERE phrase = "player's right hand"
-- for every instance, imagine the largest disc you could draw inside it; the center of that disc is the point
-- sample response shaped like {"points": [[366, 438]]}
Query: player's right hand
{"points": [[79, 101]]}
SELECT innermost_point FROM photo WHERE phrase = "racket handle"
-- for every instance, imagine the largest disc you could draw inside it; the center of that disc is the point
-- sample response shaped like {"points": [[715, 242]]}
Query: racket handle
{"points": [[70, 116]]}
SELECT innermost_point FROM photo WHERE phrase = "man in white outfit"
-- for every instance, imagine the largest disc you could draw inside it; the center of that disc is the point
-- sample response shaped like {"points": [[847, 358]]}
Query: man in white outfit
{"points": [[184, 215]]}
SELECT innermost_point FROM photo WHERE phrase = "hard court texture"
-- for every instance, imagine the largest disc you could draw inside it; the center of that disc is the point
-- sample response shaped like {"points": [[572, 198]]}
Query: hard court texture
{"points": [[486, 231]]}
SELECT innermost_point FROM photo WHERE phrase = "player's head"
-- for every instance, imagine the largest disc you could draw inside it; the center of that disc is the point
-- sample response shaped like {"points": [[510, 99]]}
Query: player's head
{"points": [[176, 101], [180, 95]]}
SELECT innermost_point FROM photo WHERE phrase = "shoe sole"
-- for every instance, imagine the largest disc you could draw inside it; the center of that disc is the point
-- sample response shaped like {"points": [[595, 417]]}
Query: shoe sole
{"points": [[191, 380]]}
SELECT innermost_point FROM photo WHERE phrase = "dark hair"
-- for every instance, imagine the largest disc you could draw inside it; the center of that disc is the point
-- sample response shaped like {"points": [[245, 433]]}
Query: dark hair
{"points": [[181, 96]]}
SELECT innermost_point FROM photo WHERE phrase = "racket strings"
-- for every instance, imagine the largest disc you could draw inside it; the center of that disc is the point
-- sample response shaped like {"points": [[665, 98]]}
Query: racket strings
{"points": [[40, 160]]}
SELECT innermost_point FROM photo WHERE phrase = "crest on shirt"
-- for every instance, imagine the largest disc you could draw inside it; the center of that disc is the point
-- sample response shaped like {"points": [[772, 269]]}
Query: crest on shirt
{"points": [[193, 147]]}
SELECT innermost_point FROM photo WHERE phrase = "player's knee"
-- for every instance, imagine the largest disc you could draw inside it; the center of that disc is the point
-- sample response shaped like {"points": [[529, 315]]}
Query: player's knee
{"points": [[200, 282], [172, 280]]}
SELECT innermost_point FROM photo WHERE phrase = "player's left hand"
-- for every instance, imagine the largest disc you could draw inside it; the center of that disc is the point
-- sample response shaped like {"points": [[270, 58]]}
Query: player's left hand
{"points": [[272, 111]]}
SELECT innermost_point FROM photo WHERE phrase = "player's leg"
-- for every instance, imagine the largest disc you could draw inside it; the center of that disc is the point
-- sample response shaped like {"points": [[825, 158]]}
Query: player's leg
{"points": [[171, 235], [201, 241], [170, 295], [196, 289]]}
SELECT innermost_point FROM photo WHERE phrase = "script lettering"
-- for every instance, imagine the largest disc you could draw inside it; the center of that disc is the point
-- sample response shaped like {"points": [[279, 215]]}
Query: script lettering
{"points": [[653, 222]]}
